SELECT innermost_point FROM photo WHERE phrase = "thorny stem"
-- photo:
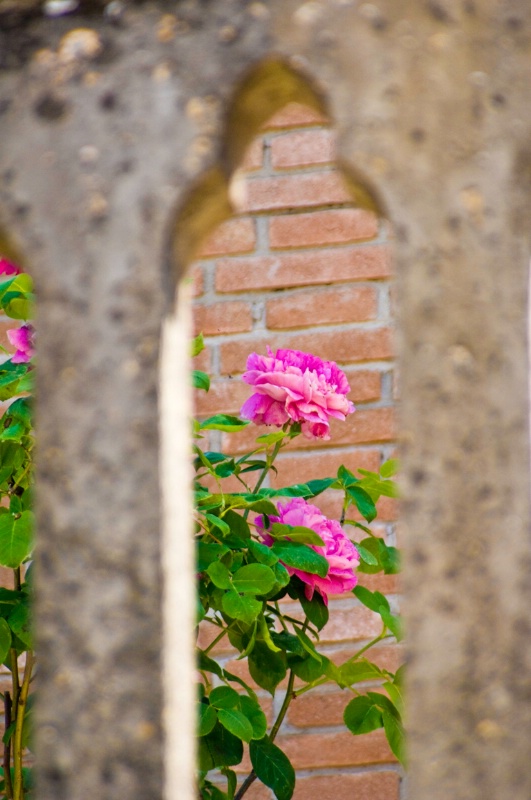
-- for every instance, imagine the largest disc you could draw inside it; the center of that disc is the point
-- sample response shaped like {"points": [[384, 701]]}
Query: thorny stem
{"points": [[7, 748], [18, 793], [288, 697]]}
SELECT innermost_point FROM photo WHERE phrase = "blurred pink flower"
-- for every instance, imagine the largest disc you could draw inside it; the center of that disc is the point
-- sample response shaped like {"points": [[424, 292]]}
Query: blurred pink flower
{"points": [[22, 339], [341, 554], [7, 268], [297, 387]]}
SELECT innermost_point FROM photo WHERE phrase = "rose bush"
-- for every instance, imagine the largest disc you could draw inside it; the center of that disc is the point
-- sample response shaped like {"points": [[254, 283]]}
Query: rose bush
{"points": [[260, 545]]}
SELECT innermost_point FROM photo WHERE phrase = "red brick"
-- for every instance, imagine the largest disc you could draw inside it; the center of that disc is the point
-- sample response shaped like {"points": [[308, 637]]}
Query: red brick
{"points": [[224, 317], [345, 347], [365, 385], [348, 622], [302, 148], [236, 235], [382, 785], [295, 115], [257, 791], [337, 226], [296, 191], [379, 582], [203, 361], [319, 307], [254, 155], [316, 709], [366, 426], [303, 467], [5, 325], [198, 283], [286, 270], [385, 656], [318, 750], [224, 397]]}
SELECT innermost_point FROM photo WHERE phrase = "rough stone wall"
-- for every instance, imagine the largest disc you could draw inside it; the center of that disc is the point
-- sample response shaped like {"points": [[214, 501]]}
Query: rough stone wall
{"points": [[433, 114], [326, 287]]}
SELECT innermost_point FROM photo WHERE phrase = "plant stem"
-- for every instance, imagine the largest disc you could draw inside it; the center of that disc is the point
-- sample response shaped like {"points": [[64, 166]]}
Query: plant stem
{"points": [[288, 697], [7, 748], [14, 676], [18, 793], [215, 641], [268, 464]]}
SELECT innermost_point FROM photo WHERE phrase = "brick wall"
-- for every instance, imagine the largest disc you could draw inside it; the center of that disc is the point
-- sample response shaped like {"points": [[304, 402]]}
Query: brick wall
{"points": [[301, 267]]}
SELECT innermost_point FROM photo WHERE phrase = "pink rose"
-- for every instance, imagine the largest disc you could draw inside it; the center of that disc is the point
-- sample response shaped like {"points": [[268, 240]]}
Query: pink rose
{"points": [[341, 554], [7, 268], [22, 339], [297, 387]]}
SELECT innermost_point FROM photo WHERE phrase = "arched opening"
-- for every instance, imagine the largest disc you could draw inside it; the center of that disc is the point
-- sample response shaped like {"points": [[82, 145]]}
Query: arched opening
{"points": [[292, 251]]}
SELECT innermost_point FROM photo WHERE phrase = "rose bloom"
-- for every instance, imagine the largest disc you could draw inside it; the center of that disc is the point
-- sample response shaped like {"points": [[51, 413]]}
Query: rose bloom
{"points": [[339, 551], [22, 339], [291, 386], [7, 268]]}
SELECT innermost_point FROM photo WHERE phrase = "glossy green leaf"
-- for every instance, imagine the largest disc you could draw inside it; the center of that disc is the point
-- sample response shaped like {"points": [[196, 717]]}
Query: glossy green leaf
{"points": [[394, 732], [306, 668], [237, 723], [262, 553], [5, 640], [373, 600], [318, 486], [362, 715], [219, 575], [363, 502], [224, 697], [200, 380], [237, 524], [207, 552], [208, 664], [267, 669], [16, 539], [393, 622], [223, 422], [271, 438], [358, 670], [315, 609], [20, 622], [255, 715], [301, 557], [254, 578], [243, 607], [207, 719], [389, 468], [197, 345], [220, 748], [219, 523], [297, 533], [272, 767]]}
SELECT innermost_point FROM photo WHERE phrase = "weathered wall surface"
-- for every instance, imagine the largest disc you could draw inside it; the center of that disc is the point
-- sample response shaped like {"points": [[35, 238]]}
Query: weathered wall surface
{"points": [[102, 134]]}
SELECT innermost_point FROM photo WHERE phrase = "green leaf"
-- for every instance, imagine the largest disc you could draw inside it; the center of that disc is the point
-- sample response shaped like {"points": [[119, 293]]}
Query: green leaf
{"points": [[302, 557], [267, 669], [254, 578], [272, 767], [9, 732], [362, 716], [223, 422], [395, 693], [200, 380], [235, 722], [363, 502], [20, 409], [317, 486], [224, 697], [16, 539], [389, 468], [394, 732], [393, 622], [18, 307], [207, 552], [306, 668], [5, 640], [390, 558], [373, 600], [264, 507], [238, 525], [220, 748], [218, 523], [20, 623], [315, 609], [289, 643], [262, 553], [207, 664], [356, 671], [297, 533], [255, 715], [240, 606], [232, 782], [282, 576], [207, 719], [366, 555], [372, 545], [197, 345], [219, 575], [270, 438]]}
